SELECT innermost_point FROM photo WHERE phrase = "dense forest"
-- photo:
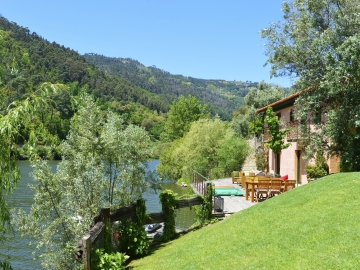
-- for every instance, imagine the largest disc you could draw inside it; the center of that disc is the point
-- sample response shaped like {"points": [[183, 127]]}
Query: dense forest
{"points": [[223, 97], [141, 95]]}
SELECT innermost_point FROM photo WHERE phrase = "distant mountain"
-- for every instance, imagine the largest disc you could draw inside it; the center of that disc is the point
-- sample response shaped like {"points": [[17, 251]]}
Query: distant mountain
{"points": [[223, 97], [121, 84]]}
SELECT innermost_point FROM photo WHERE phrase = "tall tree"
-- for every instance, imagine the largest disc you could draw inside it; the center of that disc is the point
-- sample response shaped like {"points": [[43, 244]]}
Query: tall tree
{"points": [[210, 145], [19, 115], [317, 42], [264, 95], [245, 121], [103, 165], [182, 113]]}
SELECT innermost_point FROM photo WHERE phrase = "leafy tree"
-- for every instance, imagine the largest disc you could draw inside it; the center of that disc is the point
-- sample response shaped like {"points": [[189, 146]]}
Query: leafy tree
{"points": [[264, 95], [209, 145], [19, 115], [245, 121], [182, 113], [103, 165], [240, 125], [317, 43]]}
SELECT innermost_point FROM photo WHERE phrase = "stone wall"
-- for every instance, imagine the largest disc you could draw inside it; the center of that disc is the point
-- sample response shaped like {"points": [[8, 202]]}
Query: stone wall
{"points": [[250, 163]]}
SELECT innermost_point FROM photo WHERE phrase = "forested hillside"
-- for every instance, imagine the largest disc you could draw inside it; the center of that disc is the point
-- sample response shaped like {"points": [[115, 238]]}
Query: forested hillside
{"points": [[223, 97], [141, 95], [27, 60]]}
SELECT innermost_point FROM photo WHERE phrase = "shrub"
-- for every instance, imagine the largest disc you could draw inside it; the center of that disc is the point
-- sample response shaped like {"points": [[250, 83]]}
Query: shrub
{"points": [[112, 261], [261, 160], [320, 168]]}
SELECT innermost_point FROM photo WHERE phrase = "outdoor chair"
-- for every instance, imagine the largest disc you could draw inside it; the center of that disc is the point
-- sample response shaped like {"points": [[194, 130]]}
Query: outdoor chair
{"points": [[262, 190], [235, 177], [275, 188]]}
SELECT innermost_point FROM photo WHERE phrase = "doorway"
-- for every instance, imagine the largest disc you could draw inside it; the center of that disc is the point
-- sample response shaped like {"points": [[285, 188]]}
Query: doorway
{"points": [[298, 166], [277, 163]]}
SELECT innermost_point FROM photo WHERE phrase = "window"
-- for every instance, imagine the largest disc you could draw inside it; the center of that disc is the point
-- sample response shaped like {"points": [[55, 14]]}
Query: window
{"points": [[292, 116]]}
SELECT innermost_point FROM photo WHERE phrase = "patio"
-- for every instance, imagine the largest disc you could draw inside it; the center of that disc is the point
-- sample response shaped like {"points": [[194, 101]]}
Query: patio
{"points": [[232, 204]]}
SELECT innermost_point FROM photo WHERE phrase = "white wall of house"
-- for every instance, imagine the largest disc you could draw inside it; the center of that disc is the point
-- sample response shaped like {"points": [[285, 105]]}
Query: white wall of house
{"points": [[288, 157]]}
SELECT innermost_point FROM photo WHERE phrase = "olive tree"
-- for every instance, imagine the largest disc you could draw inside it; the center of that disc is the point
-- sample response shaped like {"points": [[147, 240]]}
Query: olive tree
{"points": [[103, 165]]}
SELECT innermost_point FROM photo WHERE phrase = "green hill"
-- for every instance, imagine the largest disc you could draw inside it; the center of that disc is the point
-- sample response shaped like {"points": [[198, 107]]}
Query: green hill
{"points": [[223, 97], [141, 95], [27, 60], [315, 226]]}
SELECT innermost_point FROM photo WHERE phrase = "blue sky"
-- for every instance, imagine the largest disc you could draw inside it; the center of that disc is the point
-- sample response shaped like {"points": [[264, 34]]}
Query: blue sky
{"points": [[210, 39]]}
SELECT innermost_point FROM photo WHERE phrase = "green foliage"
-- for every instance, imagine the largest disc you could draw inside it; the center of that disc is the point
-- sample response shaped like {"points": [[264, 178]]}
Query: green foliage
{"points": [[204, 212], [5, 265], [103, 165], [106, 261], [169, 167], [349, 159], [168, 204], [320, 169], [209, 145], [261, 160], [241, 126], [20, 114], [181, 115], [232, 153], [317, 42], [276, 140], [246, 122], [223, 95], [264, 95], [133, 239]]}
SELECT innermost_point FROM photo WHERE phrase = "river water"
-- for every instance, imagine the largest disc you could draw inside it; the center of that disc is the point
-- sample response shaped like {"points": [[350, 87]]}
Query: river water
{"points": [[17, 249]]}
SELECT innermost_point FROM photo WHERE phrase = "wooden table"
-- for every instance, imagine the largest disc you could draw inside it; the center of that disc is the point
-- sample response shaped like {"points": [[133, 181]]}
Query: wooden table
{"points": [[253, 184]]}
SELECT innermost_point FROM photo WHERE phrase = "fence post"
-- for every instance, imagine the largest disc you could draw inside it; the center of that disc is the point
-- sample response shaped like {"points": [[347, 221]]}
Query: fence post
{"points": [[87, 251], [105, 217]]}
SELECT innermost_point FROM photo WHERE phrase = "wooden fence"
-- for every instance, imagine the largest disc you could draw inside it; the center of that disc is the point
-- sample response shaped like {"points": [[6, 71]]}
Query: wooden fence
{"points": [[95, 238]]}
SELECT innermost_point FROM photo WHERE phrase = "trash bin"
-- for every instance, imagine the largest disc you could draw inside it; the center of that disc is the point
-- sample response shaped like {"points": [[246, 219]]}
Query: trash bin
{"points": [[218, 204]]}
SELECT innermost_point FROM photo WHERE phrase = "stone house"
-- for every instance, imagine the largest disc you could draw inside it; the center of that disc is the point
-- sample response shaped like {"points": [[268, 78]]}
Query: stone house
{"points": [[290, 161]]}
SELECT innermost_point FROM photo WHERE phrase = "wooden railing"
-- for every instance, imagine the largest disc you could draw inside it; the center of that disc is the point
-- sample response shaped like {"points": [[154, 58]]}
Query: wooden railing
{"points": [[295, 133], [95, 237]]}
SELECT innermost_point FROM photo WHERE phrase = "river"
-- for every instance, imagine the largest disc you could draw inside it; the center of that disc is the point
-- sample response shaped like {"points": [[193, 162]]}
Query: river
{"points": [[17, 249]]}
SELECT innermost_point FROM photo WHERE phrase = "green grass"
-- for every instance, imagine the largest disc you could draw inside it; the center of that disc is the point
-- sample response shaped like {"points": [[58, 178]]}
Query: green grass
{"points": [[315, 226]]}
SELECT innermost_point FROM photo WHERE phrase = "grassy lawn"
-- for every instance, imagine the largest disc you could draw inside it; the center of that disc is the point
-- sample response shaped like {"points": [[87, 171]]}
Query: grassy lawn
{"points": [[315, 226]]}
